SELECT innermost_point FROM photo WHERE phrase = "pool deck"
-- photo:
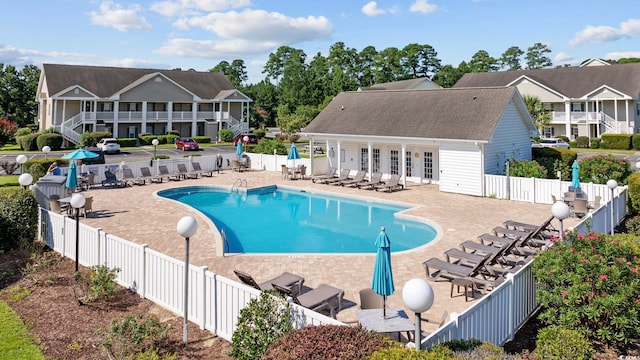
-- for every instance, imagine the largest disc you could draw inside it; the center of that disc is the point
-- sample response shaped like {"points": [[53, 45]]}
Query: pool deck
{"points": [[136, 214]]}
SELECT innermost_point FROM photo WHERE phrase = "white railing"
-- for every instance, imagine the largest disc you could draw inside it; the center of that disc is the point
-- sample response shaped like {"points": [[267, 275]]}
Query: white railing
{"points": [[214, 301]]}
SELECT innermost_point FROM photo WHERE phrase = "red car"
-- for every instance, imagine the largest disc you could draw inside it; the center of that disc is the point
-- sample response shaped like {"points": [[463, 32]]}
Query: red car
{"points": [[186, 144], [251, 139]]}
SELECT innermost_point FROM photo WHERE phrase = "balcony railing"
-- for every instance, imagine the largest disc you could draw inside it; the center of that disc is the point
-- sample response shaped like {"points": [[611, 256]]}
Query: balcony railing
{"points": [[590, 117]]}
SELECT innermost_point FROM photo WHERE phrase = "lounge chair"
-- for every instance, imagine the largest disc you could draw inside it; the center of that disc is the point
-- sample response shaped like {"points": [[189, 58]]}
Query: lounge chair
{"points": [[323, 298], [130, 179], [147, 174], [331, 173], [286, 280], [112, 180], [437, 268], [393, 184], [344, 175], [356, 179], [376, 179], [199, 171], [182, 173], [516, 225]]}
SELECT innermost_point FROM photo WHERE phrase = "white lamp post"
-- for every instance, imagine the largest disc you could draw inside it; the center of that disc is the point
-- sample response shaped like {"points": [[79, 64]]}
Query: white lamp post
{"points": [[77, 202], [46, 150], [560, 211], [612, 184], [25, 180], [21, 159], [186, 227], [155, 143], [245, 139], [418, 296]]}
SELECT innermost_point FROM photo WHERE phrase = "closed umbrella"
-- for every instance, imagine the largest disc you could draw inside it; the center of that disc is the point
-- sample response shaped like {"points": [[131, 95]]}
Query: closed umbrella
{"points": [[239, 148], [575, 176], [72, 177], [382, 282], [80, 154], [293, 154]]}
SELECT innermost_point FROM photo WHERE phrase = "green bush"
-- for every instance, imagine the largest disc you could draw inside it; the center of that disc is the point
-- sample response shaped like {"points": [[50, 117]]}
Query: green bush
{"points": [[132, 335], [565, 155], [92, 138], [437, 353], [176, 133], [260, 323], [527, 169], [600, 168], [616, 141], [556, 342], [202, 139], [37, 167], [590, 283], [327, 342], [633, 182], [28, 142], [260, 133], [167, 139], [18, 218], [225, 135], [595, 143], [632, 225], [582, 142], [52, 140], [636, 141], [573, 144], [128, 142], [147, 139], [98, 284], [266, 146], [23, 131], [563, 137]]}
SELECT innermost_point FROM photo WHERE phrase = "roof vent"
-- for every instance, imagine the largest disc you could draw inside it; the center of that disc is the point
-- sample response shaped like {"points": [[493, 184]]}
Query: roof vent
{"points": [[342, 109], [157, 79], [474, 97]]}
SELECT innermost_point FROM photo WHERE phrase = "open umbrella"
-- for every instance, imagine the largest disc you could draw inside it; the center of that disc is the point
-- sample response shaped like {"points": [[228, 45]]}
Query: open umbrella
{"points": [[575, 176], [72, 177], [382, 282], [239, 148], [80, 154], [293, 154]]}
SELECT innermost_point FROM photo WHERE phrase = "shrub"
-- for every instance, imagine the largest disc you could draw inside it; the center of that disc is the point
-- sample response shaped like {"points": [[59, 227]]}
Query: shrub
{"points": [[437, 353], [259, 133], [146, 139], [590, 283], [263, 321], [527, 169], [131, 335], [556, 342], [636, 141], [23, 131], [18, 218], [98, 284], [633, 182], [600, 168], [225, 135], [167, 139], [8, 130], [202, 139], [616, 141], [128, 142], [482, 350], [175, 133], [37, 167], [595, 143], [52, 140], [266, 146], [582, 142], [327, 342], [28, 142], [92, 138]]}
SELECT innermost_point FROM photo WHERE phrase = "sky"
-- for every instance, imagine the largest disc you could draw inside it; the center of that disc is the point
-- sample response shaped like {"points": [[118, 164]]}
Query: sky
{"points": [[198, 34]]}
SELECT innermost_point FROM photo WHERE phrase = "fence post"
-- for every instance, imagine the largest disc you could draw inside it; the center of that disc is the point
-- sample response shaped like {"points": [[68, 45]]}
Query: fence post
{"points": [[142, 288], [508, 183], [202, 299]]}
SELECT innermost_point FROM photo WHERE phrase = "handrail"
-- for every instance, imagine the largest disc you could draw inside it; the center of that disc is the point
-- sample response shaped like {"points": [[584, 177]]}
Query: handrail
{"points": [[238, 184]]}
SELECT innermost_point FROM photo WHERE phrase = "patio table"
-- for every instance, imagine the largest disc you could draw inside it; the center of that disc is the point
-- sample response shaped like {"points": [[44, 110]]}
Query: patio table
{"points": [[396, 321]]}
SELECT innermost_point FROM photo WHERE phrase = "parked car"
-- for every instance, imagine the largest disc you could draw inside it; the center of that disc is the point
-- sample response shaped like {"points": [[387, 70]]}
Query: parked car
{"points": [[96, 160], [553, 143], [251, 139], [109, 145], [186, 143]]}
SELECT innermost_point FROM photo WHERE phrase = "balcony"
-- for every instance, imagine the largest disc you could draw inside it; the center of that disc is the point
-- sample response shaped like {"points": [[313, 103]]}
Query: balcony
{"points": [[591, 117]]}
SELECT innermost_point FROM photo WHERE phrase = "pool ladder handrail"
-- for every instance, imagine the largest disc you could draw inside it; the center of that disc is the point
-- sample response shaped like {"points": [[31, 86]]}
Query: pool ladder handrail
{"points": [[238, 184]]}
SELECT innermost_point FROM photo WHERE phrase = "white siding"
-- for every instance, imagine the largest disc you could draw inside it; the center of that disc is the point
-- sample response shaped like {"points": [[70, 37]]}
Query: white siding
{"points": [[461, 169], [510, 140]]}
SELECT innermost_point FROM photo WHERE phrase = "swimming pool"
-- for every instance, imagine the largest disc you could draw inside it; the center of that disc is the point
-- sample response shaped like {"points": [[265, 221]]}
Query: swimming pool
{"points": [[277, 220]]}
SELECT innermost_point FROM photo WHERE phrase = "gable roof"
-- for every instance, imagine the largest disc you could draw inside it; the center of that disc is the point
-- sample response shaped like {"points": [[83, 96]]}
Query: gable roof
{"points": [[418, 83], [105, 81], [572, 82], [459, 114]]}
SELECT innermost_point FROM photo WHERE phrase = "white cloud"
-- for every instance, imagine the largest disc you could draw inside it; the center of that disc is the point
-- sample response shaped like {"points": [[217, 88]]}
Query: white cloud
{"points": [[261, 26], [136, 63], [371, 9], [423, 6], [20, 57], [599, 34], [208, 49], [622, 54], [562, 58], [193, 7], [115, 16]]}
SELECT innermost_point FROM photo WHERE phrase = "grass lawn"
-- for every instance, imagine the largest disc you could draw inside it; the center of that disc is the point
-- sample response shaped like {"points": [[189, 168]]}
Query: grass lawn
{"points": [[9, 180], [16, 342]]}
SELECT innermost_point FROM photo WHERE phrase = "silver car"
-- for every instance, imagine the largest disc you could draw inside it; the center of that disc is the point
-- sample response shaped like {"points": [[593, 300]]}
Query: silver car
{"points": [[553, 143]]}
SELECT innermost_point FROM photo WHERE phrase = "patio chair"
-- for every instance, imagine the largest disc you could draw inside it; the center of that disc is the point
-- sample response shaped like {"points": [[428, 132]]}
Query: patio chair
{"points": [[596, 202], [130, 179], [287, 280], [393, 184], [323, 298], [198, 170], [56, 206], [302, 171], [376, 179], [356, 179], [344, 175], [436, 268], [88, 206], [285, 173], [182, 173], [516, 225], [331, 173], [146, 173], [88, 181], [369, 299], [112, 180], [580, 207]]}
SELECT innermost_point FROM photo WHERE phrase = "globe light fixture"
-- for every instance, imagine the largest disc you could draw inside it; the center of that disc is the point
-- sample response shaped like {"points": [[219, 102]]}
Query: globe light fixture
{"points": [[21, 159], [46, 150], [612, 184], [418, 296], [77, 202], [186, 227], [25, 180], [560, 210]]}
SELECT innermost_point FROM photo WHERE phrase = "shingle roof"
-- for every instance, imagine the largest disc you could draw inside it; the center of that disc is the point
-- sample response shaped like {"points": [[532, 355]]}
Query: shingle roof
{"points": [[573, 82], [106, 81], [401, 85], [462, 114]]}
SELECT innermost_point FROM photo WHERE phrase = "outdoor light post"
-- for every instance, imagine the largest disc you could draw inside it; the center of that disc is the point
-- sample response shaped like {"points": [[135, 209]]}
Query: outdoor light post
{"points": [[46, 150], [418, 296], [612, 184], [186, 227], [77, 202], [155, 143], [561, 211], [21, 159], [25, 180]]}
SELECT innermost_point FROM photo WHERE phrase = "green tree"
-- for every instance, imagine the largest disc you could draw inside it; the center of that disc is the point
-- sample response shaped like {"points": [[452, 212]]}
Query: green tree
{"points": [[540, 117], [420, 61], [388, 66], [449, 75], [537, 56], [342, 62], [365, 66], [236, 72], [265, 97], [278, 61], [481, 61], [18, 93], [510, 59]]}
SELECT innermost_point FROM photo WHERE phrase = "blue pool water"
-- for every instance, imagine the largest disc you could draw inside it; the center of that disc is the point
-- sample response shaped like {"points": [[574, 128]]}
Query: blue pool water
{"points": [[276, 220]]}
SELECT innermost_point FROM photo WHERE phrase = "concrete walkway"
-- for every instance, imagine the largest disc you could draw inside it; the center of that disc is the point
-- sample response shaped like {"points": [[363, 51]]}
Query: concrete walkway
{"points": [[138, 215]]}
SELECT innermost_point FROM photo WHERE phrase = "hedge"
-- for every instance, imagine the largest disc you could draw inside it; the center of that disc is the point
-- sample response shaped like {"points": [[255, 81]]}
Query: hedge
{"points": [[18, 218], [52, 140], [616, 141], [28, 142], [202, 139], [37, 167], [128, 142], [636, 141]]}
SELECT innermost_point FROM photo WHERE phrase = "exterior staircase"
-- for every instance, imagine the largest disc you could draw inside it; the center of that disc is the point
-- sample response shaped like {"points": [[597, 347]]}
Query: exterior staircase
{"points": [[67, 129]]}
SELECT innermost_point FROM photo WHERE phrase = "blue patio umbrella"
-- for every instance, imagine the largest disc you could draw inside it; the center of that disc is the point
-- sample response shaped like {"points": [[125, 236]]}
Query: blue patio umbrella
{"points": [[80, 154], [72, 177], [293, 154], [239, 148], [575, 176], [382, 282]]}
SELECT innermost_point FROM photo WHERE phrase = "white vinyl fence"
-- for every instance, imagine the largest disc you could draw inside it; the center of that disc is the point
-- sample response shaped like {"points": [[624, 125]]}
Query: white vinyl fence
{"points": [[214, 301]]}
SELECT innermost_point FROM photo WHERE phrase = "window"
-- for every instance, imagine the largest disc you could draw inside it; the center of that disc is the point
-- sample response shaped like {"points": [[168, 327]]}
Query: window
{"points": [[408, 163], [428, 165], [577, 107], [547, 132], [574, 131], [394, 163], [182, 106], [364, 159], [156, 106], [376, 160]]}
